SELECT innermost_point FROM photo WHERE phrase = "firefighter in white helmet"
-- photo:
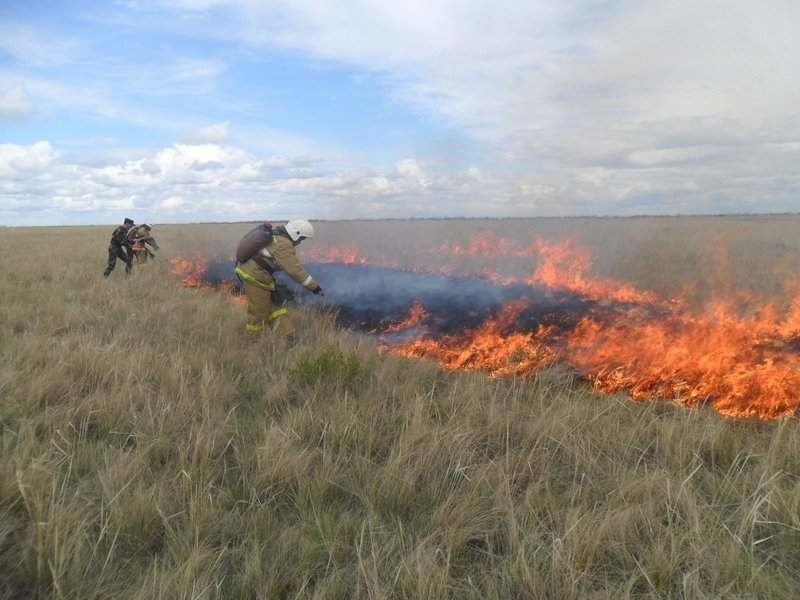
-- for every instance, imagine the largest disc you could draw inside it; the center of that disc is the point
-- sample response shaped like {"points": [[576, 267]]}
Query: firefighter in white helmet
{"points": [[261, 252]]}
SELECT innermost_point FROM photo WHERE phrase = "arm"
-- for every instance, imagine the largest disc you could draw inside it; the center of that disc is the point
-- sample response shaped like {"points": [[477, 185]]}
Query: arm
{"points": [[284, 255]]}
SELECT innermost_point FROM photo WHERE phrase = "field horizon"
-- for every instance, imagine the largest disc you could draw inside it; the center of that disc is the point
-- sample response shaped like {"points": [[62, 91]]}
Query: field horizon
{"points": [[151, 450], [644, 216]]}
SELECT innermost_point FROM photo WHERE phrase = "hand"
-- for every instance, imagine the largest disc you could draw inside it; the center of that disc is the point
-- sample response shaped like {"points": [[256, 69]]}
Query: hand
{"points": [[317, 290]]}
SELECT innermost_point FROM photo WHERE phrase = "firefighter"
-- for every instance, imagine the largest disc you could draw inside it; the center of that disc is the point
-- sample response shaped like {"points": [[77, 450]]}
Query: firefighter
{"points": [[261, 252], [141, 237], [120, 247]]}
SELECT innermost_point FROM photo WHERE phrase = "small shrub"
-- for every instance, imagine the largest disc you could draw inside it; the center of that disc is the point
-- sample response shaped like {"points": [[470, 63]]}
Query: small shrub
{"points": [[329, 364]]}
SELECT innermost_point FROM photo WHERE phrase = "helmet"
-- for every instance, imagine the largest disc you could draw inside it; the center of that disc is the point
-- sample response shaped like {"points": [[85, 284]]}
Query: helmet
{"points": [[299, 229]]}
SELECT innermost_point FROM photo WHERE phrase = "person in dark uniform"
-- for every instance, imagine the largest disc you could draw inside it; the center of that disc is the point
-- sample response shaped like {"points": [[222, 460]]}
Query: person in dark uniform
{"points": [[120, 247]]}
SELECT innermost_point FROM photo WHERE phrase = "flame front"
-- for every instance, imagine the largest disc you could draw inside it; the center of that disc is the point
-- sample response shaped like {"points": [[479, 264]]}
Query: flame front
{"points": [[493, 347], [738, 353], [193, 273], [191, 270], [415, 317]]}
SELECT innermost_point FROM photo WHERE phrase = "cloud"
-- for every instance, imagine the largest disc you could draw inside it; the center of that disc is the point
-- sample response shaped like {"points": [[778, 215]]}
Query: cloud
{"points": [[171, 204], [192, 182], [35, 47], [669, 99], [14, 104], [20, 161], [217, 133], [573, 107], [212, 181]]}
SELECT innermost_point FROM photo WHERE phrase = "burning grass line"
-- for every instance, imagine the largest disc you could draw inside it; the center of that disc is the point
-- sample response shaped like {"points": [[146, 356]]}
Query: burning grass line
{"points": [[627, 340]]}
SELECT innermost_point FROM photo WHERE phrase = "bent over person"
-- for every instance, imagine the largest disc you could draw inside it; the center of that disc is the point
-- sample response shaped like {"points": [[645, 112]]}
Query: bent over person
{"points": [[260, 253], [120, 247], [142, 239]]}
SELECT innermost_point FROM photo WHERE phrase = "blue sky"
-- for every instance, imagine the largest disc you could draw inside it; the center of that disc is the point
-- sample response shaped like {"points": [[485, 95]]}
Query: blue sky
{"points": [[187, 110]]}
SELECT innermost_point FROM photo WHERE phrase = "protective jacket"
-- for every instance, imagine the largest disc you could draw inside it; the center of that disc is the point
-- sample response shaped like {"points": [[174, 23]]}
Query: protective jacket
{"points": [[142, 234], [272, 250]]}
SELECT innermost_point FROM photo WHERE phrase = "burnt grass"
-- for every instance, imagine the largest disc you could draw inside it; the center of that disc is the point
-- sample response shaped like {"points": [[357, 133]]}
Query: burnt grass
{"points": [[369, 298]]}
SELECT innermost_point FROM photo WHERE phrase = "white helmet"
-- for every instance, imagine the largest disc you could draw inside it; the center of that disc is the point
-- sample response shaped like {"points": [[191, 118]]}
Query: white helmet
{"points": [[299, 229]]}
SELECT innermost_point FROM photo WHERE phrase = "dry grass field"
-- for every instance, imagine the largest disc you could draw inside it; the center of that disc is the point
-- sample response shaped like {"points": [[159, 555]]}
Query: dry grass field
{"points": [[149, 450]]}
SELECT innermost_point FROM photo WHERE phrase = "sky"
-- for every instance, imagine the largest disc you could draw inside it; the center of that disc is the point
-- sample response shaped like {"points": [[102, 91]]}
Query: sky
{"points": [[233, 110]]}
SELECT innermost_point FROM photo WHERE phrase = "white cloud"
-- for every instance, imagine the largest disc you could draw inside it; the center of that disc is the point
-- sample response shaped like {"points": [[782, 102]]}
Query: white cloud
{"points": [[185, 69], [172, 204], [211, 181], [411, 169], [37, 47], [14, 103], [17, 161], [580, 106], [664, 98], [216, 133]]}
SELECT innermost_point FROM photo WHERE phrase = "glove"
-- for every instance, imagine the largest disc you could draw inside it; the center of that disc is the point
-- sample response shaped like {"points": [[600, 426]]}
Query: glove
{"points": [[317, 289]]}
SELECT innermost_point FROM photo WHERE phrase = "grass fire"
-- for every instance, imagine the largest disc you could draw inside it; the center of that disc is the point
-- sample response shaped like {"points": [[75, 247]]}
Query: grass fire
{"points": [[738, 353], [542, 408]]}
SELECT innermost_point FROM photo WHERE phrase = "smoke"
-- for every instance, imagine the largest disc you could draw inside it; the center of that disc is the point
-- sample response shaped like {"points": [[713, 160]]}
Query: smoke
{"points": [[370, 299]]}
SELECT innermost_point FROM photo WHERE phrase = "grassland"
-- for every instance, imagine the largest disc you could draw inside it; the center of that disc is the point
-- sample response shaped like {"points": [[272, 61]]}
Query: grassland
{"points": [[149, 450]]}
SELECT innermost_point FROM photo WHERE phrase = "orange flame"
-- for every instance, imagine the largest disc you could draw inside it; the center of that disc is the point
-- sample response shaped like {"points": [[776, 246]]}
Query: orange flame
{"points": [[738, 364], [346, 255], [416, 316], [566, 266], [739, 354], [488, 347], [191, 270]]}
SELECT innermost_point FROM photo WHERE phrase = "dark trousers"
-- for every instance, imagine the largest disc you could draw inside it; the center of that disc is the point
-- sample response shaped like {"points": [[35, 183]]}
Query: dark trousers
{"points": [[118, 252]]}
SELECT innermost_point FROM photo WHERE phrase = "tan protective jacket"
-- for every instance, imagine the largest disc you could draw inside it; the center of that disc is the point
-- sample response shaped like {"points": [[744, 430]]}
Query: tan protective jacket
{"points": [[141, 235], [280, 255]]}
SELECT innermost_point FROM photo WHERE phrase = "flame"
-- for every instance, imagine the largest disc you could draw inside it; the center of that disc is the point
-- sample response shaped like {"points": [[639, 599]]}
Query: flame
{"points": [[486, 244], [490, 347], [416, 316], [738, 364], [739, 353], [567, 266], [191, 270], [346, 255], [562, 265]]}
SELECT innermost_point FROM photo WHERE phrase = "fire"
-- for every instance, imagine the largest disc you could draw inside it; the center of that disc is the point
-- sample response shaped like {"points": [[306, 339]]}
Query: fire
{"points": [[484, 244], [346, 255], [492, 347], [562, 265], [566, 266], [191, 270], [740, 365], [739, 353], [193, 273], [416, 316]]}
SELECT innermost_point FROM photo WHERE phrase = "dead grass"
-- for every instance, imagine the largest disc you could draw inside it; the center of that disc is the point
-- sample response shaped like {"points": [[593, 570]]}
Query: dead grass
{"points": [[149, 450]]}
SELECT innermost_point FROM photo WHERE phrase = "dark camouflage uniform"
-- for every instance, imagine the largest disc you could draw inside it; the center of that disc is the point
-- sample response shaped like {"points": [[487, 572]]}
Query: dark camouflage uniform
{"points": [[119, 247]]}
